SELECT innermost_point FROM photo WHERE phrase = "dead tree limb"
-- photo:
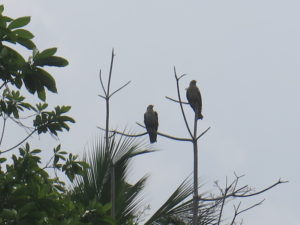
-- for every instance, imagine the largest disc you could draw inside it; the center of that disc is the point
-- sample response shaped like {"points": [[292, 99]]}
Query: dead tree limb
{"points": [[107, 95]]}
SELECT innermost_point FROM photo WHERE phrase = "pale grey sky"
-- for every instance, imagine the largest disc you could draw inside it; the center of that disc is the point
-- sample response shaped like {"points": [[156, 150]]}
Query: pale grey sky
{"points": [[245, 56]]}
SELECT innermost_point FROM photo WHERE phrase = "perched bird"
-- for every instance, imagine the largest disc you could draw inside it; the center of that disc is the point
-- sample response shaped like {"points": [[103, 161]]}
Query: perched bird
{"points": [[194, 98], [151, 123]]}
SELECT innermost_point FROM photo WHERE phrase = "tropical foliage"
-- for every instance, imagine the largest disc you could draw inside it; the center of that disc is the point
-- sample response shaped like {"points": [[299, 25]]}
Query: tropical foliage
{"points": [[95, 185], [95, 182], [28, 194]]}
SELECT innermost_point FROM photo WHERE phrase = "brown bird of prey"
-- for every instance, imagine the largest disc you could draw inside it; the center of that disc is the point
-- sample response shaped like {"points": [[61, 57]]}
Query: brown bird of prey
{"points": [[194, 98], [151, 123]]}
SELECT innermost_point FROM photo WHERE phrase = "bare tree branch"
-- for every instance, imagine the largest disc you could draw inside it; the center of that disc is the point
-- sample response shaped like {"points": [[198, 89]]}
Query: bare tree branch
{"points": [[102, 97], [21, 142], [180, 102], [257, 204], [202, 133], [264, 190], [181, 75], [237, 212], [168, 136], [124, 134], [119, 89], [110, 71], [101, 82], [224, 193], [176, 100], [234, 193], [3, 128], [4, 84]]}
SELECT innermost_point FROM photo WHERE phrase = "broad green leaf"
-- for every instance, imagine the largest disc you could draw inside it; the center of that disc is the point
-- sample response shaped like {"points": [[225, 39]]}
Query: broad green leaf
{"points": [[5, 19], [42, 94], [16, 114], [1, 9], [35, 151], [2, 160], [8, 35], [46, 53], [65, 109], [51, 61], [29, 79], [23, 33], [16, 59], [26, 43], [56, 159], [19, 22], [18, 82], [46, 80]]}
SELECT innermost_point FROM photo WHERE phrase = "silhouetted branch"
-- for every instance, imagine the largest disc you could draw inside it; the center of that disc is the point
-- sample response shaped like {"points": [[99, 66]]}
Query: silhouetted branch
{"points": [[168, 136], [234, 193], [251, 207], [264, 190], [176, 100], [2, 85], [202, 133], [3, 129], [101, 82], [102, 96], [181, 75], [237, 212], [21, 142], [110, 71], [124, 134], [180, 102], [119, 89], [223, 200]]}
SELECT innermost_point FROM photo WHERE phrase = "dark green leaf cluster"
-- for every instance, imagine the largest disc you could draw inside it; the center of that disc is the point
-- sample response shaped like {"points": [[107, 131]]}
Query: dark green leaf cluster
{"points": [[52, 121], [12, 103], [14, 69], [29, 196]]}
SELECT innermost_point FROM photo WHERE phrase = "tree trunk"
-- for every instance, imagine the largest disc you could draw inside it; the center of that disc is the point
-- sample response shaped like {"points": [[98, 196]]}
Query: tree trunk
{"points": [[195, 148]]}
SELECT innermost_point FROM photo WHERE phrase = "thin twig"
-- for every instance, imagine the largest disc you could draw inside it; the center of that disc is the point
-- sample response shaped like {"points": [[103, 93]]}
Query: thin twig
{"points": [[102, 96], [237, 212], [180, 102], [110, 71], [168, 136], [223, 202], [181, 75], [3, 129], [47, 164], [176, 100], [233, 194], [251, 207], [21, 142], [259, 192], [202, 133], [124, 134], [3, 84], [119, 89], [101, 82]]}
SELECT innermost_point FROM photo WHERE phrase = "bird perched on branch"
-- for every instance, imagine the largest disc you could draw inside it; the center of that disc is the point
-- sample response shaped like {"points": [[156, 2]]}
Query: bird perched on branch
{"points": [[151, 123], [194, 98]]}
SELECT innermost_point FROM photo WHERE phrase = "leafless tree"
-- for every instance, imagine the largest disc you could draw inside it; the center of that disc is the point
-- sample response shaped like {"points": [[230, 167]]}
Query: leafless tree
{"points": [[191, 212]]}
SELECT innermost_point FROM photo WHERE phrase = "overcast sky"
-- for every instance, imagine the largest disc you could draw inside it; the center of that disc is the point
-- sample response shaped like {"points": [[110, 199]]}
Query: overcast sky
{"points": [[245, 56]]}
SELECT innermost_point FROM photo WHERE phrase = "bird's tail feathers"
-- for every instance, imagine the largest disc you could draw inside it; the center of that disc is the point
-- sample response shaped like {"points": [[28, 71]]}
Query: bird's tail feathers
{"points": [[200, 116], [152, 136]]}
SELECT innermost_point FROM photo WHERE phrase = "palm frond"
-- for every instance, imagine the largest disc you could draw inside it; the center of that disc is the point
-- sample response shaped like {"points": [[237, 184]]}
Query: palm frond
{"points": [[95, 183], [177, 210]]}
